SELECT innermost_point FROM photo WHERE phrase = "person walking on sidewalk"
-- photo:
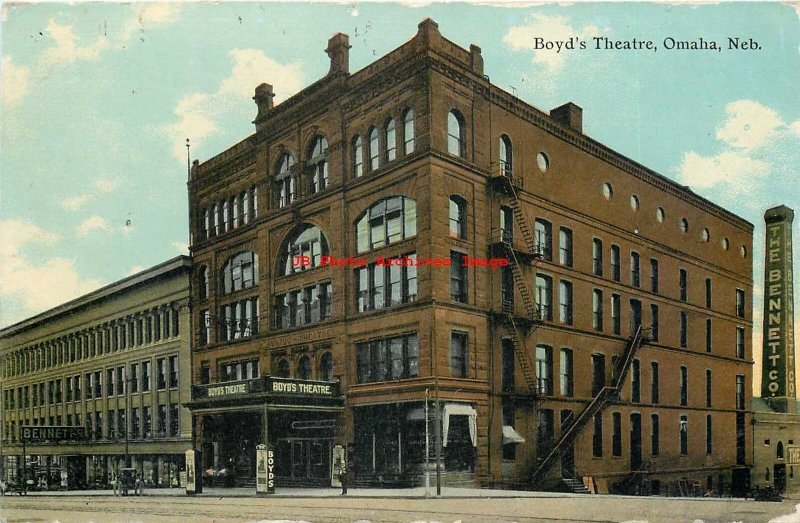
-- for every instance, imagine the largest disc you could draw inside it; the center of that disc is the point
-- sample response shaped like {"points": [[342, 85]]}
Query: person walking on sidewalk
{"points": [[343, 479]]}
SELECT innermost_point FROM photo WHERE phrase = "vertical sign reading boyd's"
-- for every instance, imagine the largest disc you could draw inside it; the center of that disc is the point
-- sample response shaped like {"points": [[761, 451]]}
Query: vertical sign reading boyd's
{"points": [[778, 371]]}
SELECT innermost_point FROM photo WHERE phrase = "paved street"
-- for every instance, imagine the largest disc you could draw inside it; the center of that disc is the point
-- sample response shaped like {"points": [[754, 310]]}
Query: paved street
{"points": [[379, 506]]}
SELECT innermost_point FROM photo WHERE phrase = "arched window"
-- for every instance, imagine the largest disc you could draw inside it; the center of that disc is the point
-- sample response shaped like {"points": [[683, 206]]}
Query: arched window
{"points": [[245, 199], [326, 367], [215, 217], [505, 155], [456, 134], [391, 141], [235, 211], [389, 220], [408, 131], [284, 181], [458, 217], [240, 272], [203, 282], [374, 149], [358, 156], [318, 164], [507, 223], [307, 241], [304, 368], [283, 368], [779, 451], [226, 216], [206, 224]]}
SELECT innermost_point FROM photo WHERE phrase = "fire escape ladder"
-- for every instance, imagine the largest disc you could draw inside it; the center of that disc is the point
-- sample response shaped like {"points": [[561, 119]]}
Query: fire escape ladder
{"points": [[521, 351], [519, 279], [603, 397], [522, 222]]}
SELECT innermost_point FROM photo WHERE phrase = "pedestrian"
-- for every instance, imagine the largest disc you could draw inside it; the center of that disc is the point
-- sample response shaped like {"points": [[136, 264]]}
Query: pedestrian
{"points": [[343, 480]]}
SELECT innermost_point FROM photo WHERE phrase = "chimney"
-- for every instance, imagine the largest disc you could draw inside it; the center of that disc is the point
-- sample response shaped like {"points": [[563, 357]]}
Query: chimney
{"points": [[570, 115], [339, 52], [475, 59], [263, 99], [428, 33]]}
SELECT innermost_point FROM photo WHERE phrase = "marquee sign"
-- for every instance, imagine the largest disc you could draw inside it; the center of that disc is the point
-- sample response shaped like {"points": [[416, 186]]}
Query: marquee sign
{"points": [[778, 371], [271, 385], [42, 433]]}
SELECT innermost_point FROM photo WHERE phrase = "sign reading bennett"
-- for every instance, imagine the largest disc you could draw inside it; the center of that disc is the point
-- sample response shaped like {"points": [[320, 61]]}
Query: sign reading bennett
{"points": [[40, 433], [778, 379]]}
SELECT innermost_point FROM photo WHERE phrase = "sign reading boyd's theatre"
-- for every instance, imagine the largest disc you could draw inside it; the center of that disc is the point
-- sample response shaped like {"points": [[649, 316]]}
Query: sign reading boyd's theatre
{"points": [[271, 385], [778, 377]]}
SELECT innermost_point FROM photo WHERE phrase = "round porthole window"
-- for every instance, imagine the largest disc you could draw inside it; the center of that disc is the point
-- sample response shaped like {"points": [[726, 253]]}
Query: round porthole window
{"points": [[634, 203], [608, 192], [660, 215], [726, 244], [543, 162], [684, 225], [705, 235]]}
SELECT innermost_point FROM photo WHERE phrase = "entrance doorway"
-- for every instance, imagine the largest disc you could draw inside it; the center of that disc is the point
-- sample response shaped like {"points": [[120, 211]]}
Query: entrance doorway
{"points": [[636, 441], [779, 481], [303, 461]]}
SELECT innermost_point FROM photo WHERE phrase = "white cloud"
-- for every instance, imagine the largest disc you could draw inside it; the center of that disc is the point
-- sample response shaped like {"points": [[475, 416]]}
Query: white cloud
{"points": [[74, 203], [730, 167], [550, 29], [181, 247], [16, 81], [93, 223], [35, 284], [198, 112], [105, 185], [754, 144], [67, 49], [748, 125]]}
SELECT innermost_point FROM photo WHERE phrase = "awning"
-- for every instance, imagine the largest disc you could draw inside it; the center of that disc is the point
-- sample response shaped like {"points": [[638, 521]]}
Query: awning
{"points": [[459, 409], [511, 436]]}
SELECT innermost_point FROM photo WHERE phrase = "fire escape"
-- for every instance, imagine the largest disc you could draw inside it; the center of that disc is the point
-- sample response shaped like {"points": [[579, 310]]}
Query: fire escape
{"points": [[604, 396], [502, 244]]}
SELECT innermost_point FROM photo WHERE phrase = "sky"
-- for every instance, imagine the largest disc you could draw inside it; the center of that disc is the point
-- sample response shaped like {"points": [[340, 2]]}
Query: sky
{"points": [[99, 98]]}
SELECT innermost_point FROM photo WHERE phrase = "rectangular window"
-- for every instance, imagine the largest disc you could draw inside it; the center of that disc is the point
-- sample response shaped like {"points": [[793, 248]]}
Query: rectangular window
{"points": [[682, 284], [636, 384], [740, 303], [654, 435], [120, 381], [597, 309], [161, 427], [507, 378], [597, 435], [145, 376], [653, 322], [173, 372], [161, 370], [134, 381], [616, 323], [616, 263], [98, 425], [708, 293], [684, 385], [147, 422], [543, 233], [565, 246], [544, 297], [458, 354], [110, 382], [565, 302], [708, 388], [684, 434], [566, 373], [740, 398], [616, 434], [544, 370], [653, 275], [110, 424], [635, 270], [135, 422], [458, 278], [597, 256], [387, 359], [98, 389], [684, 329], [654, 382], [544, 431], [121, 427], [708, 334], [174, 419], [740, 342], [378, 286], [709, 436]]}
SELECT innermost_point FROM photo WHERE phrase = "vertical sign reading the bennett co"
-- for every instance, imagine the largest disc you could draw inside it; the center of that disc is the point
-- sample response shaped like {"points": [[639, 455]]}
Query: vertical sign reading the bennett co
{"points": [[778, 373]]}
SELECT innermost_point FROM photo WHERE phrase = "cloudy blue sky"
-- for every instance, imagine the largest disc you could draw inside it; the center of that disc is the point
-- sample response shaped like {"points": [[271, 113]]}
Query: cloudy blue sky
{"points": [[98, 99]]}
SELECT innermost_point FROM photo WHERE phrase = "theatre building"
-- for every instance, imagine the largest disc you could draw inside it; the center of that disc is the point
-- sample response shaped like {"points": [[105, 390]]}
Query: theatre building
{"points": [[611, 344], [114, 363]]}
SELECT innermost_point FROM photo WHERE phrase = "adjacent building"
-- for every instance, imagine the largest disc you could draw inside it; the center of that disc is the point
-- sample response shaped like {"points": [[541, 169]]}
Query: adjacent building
{"points": [[610, 343], [115, 362]]}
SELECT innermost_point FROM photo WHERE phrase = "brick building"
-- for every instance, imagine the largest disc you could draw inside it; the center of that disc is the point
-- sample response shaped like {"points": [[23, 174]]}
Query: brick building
{"points": [[116, 362], [615, 344]]}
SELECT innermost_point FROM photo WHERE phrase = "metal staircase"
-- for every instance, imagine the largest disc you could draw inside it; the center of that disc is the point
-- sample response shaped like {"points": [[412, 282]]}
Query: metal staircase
{"points": [[605, 395], [506, 183]]}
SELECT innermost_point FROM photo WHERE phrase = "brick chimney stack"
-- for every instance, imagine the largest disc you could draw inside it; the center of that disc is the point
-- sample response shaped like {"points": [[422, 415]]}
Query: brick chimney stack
{"points": [[570, 115], [339, 52], [263, 99]]}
